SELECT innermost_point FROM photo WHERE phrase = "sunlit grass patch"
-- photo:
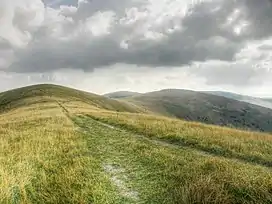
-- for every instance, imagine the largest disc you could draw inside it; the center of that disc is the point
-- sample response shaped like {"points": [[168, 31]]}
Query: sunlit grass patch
{"points": [[246, 146], [163, 174], [43, 159]]}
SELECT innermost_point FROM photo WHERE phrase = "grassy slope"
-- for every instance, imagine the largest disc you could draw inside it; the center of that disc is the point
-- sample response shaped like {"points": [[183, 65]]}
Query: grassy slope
{"points": [[51, 153], [211, 109], [164, 174], [45, 92], [225, 142], [43, 159]]}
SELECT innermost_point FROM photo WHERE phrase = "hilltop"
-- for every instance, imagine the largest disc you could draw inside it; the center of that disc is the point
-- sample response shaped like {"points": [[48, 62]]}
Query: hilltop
{"points": [[206, 108], [48, 92]]}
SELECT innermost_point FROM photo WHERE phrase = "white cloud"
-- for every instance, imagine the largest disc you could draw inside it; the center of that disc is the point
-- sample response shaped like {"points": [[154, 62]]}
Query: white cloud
{"points": [[19, 19], [162, 40]]}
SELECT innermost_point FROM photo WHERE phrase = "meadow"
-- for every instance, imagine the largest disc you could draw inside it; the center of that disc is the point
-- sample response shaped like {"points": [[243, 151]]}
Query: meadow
{"points": [[253, 147], [57, 149]]}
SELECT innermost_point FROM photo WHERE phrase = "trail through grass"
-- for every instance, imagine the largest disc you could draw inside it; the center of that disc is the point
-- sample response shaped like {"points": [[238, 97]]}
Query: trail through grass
{"points": [[43, 159], [162, 174], [251, 147], [49, 154]]}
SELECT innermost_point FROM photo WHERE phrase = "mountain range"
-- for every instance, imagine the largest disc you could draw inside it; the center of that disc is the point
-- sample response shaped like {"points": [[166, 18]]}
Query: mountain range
{"points": [[220, 108]]}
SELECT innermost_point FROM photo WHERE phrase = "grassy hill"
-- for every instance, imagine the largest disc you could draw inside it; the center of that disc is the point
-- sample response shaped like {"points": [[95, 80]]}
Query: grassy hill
{"points": [[122, 94], [46, 92], [60, 145], [207, 108]]}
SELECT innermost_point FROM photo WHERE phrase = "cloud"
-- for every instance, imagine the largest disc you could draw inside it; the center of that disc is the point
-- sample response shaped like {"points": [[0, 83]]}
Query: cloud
{"points": [[226, 37], [58, 3], [19, 19]]}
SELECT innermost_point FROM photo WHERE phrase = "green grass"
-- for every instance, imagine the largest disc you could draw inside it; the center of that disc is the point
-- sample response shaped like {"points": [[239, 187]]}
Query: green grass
{"points": [[44, 159], [251, 147], [53, 151], [162, 174]]}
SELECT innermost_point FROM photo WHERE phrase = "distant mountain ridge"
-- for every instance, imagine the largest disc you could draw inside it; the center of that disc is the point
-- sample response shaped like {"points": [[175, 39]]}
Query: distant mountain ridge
{"points": [[183, 104], [206, 108], [267, 103]]}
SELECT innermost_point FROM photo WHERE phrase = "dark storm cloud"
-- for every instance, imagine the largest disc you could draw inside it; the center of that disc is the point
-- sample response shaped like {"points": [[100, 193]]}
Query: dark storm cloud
{"points": [[77, 54], [203, 36], [259, 13]]}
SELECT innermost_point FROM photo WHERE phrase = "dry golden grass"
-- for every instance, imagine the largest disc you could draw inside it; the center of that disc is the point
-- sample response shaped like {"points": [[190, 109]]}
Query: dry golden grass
{"points": [[166, 174], [50, 155], [247, 146], [44, 160]]}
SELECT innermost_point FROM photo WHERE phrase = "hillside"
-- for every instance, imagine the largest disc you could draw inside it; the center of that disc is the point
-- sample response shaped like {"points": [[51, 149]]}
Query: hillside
{"points": [[122, 94], [249, 99], [61, 145], [46, 92], [235, 96], [207, 108]]}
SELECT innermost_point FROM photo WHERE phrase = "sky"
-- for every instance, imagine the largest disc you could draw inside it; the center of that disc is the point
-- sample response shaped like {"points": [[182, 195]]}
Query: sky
{"points": [[104, 46]]}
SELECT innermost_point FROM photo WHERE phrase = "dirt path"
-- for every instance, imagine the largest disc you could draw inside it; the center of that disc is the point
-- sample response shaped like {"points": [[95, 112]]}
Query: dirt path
{"points": [[118, 178], [137, 178]]}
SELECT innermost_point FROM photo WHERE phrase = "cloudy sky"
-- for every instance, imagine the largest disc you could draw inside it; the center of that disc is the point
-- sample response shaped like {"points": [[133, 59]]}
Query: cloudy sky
{"points": [[138, 45]]}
